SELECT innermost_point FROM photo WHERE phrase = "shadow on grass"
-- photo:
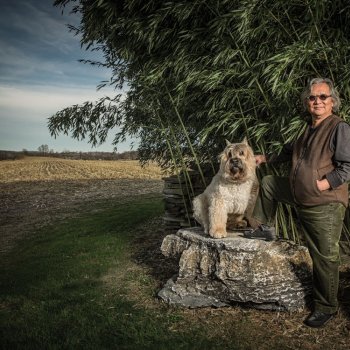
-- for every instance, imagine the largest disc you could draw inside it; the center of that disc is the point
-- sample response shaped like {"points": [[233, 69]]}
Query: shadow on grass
{"points": [[147, 252]]}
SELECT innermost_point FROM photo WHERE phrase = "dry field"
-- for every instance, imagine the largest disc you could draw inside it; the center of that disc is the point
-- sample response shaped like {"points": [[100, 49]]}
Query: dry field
{"points": [[36, 191], [47, 169]]}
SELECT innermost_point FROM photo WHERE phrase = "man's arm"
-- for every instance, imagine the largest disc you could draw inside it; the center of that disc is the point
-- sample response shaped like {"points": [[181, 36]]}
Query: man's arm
{"points": [[284, 156], [340, 144]]}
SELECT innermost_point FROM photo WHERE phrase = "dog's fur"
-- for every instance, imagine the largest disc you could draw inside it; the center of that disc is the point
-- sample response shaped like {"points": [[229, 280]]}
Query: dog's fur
{"points": [[231, 193]]}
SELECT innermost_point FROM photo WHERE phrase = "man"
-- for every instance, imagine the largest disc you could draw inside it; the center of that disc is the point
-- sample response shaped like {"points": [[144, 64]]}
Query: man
{"points": [[317, 187]]}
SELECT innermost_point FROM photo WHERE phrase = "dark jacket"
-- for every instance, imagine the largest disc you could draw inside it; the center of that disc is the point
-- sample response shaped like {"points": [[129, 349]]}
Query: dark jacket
{"points": [[329, 143], [312, 159]]}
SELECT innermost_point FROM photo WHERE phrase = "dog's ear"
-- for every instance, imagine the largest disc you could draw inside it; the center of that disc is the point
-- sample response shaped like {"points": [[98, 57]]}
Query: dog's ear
{"points": [[228, 143], [245, 140]]}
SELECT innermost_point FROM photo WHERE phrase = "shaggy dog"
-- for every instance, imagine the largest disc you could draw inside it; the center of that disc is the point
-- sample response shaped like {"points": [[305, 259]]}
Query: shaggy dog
{"points": [[231, 193]]}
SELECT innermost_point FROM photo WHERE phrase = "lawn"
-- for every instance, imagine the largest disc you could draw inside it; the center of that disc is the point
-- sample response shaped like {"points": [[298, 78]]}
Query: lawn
{"points": [[76, 285], [91, 282]]}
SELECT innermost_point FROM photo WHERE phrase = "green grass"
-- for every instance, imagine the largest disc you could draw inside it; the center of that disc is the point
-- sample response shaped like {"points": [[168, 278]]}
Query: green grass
{"points": [[91, 283], [54, 293]]}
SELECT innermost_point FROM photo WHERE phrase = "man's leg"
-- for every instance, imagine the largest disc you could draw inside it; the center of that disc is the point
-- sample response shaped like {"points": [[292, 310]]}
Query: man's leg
{"points": [[273, 189], [322, 227]]}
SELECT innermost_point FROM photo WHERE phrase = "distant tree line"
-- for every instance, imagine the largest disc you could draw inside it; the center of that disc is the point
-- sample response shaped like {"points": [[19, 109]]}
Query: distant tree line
{"points": [[45, 152]]}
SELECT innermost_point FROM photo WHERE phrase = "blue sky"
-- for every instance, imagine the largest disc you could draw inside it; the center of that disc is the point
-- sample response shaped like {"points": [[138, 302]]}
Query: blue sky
{"points": [[40, 75]]}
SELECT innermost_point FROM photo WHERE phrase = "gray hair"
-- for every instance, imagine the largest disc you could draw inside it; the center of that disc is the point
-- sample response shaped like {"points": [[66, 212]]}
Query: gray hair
{"points": [[333, 91]]}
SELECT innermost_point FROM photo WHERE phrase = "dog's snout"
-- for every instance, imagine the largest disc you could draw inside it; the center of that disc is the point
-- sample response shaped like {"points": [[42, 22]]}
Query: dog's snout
{"points": [[236, 165], [235, 161]]}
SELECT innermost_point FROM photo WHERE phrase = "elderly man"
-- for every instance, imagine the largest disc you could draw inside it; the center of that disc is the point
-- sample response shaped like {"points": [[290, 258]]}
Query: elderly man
{"points": [[317, 187]]}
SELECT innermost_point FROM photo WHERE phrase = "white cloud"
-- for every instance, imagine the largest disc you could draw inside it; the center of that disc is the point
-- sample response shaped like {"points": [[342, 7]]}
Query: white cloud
{"points": [[24, 116], [40, 75], [37, 102]]}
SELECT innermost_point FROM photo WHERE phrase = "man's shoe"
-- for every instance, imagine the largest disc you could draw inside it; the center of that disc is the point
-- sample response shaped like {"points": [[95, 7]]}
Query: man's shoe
{"points": [[262, 232], [318, 319]]}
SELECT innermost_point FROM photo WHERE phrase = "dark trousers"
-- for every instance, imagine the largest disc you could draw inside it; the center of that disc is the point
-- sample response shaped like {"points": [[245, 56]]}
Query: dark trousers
{"points": [[322, 226]]}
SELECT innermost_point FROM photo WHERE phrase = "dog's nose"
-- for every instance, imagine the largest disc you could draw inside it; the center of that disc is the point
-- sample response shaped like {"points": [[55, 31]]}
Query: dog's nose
{"points": [[235, 161], [235, 164]]}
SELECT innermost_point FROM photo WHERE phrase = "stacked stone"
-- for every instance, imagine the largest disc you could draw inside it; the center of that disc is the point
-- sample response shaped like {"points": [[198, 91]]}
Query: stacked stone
{"points": [[178, 193]]}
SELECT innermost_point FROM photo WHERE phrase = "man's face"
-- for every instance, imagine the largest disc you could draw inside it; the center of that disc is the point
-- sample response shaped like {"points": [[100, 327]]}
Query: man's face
{"points": [[320, 102]]}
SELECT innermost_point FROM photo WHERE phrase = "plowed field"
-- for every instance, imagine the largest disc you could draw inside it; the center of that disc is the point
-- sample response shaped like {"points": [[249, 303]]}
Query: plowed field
{"points": [[44, 168], [36, 191]]}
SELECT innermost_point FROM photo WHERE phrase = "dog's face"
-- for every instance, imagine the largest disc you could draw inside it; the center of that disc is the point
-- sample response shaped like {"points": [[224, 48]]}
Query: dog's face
{"points": [[237, 162]]}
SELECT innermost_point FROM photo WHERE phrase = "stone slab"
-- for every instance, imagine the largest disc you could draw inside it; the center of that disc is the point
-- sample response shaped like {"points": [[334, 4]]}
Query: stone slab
{"points": [[221, 272]]}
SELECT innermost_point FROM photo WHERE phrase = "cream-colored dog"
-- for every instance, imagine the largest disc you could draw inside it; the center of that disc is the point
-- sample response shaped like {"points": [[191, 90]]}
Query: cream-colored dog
{"points": [[231, 193]]}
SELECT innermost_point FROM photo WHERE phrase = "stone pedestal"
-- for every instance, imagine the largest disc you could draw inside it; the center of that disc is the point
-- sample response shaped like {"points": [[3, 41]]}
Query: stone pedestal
{"points": [[222, 272]]}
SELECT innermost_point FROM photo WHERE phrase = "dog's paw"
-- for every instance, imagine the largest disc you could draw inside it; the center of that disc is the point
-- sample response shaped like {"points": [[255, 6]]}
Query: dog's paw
{"points": [[218, 233], [241, 224]]}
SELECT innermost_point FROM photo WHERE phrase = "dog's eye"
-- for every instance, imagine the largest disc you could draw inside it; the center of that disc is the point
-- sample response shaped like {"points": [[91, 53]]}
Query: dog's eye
{"points": [[241, 153], [229, 155]]}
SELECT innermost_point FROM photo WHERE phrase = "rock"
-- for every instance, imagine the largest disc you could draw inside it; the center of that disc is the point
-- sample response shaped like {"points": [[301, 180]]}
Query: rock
{"points": [[221, 272]]}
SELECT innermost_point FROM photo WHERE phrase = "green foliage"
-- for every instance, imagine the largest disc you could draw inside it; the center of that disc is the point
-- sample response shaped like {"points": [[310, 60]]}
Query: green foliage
{"points": [[224, 68], [199, 72]]}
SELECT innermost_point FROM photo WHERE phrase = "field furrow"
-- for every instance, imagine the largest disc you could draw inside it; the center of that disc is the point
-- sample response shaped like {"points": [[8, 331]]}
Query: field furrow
{"points": [[44, 168]]}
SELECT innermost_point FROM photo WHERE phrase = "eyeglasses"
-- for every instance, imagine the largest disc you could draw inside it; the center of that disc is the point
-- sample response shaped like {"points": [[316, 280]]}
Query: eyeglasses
{"points": [[322, 97]]}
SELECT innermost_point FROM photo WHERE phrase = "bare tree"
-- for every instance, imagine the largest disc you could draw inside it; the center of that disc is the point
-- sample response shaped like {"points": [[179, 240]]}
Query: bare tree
{"points": [[44, 149]]}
